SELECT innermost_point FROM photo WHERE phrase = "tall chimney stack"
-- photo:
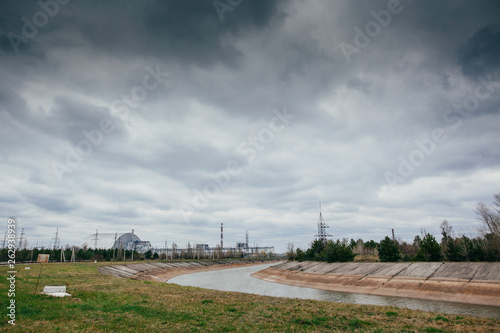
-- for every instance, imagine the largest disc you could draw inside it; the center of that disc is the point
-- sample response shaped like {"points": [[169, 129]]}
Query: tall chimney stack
{"points": [[222, 235]]}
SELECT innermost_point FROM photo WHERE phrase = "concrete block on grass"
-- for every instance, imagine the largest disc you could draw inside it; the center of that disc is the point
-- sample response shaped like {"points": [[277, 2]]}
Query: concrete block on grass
{"points": [[57, 291]]}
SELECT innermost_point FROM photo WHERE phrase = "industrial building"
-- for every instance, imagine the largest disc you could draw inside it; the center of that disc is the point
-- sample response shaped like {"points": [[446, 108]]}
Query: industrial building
{"points": [[130, 241], [198, 251]]}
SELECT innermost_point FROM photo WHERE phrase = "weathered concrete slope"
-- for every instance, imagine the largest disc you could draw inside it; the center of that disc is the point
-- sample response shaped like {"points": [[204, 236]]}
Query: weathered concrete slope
{"points": [[163, 272], [474, 283]]}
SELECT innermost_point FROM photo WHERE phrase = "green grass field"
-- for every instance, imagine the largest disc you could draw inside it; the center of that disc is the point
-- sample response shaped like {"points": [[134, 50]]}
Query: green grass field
{"points": [[104, 303]]}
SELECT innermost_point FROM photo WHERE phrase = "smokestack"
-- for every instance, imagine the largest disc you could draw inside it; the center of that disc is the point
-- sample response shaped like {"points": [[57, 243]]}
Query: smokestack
{"points": [[222, 235]]}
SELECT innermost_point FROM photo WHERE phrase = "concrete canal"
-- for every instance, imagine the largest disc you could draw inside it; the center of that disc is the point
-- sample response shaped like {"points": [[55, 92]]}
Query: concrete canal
{"points": [[240, 280]]}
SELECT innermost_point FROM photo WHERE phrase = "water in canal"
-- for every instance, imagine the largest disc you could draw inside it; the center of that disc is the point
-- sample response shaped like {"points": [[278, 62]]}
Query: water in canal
{"points": [[239, 279]]}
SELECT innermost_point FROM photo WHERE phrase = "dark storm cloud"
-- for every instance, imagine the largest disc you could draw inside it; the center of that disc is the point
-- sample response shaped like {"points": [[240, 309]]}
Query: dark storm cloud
{"points": [[480, 54], [352, 121], [187, 32], [437, 29]]}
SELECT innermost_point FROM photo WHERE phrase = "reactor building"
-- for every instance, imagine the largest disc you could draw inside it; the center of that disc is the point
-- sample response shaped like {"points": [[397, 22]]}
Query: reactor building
{"points": [[130, 241]]}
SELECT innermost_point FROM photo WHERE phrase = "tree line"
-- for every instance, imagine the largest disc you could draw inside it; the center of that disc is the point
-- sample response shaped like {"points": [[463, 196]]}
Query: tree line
{"points": [[81, 254], [425, 247], [85, 253]]}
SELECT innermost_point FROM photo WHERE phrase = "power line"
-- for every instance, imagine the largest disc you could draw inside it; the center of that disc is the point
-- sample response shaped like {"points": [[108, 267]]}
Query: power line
{"points": [[56, 239], [114, 246], [322, 234], [21, 239], [96, 239]]}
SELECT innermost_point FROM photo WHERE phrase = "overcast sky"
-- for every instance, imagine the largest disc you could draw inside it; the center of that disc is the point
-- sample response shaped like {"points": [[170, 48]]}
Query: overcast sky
{"points": [[170, 117]]}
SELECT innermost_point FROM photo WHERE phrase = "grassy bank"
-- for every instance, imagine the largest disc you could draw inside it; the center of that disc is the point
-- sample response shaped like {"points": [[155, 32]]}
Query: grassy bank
{"points": [[105, 303]]}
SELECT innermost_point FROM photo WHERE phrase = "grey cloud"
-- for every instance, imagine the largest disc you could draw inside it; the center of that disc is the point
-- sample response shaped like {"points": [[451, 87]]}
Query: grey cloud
{"points": [[479, 54], [49, 204], [188, 31], [353, 121]]}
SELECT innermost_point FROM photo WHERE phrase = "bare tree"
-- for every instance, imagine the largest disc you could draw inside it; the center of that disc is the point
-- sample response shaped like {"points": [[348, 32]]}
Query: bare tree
{"points": [[290, 253], [218, 251], [490, 216], [174, 251], [190, 253], [446, 229]]}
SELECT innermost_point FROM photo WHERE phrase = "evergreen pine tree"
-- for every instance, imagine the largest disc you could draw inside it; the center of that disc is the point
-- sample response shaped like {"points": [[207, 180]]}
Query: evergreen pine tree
{"points": [[388, 250]]}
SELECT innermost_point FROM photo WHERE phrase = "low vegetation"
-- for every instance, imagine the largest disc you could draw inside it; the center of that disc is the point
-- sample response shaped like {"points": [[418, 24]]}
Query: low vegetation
{"points": [[104, 303], [328, 251]]}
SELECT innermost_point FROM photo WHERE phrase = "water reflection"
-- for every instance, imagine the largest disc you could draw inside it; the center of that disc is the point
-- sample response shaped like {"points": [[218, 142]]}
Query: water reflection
{"points": [[239, 279]]}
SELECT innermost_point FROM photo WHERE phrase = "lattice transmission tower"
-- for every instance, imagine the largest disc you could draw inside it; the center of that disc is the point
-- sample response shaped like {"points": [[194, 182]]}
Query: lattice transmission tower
{"points": [[322, 234]]}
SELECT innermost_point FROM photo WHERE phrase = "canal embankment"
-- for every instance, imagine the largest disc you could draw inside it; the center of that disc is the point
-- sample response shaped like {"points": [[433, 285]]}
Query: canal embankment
{"points": [[164, 271], [472, 283]]}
